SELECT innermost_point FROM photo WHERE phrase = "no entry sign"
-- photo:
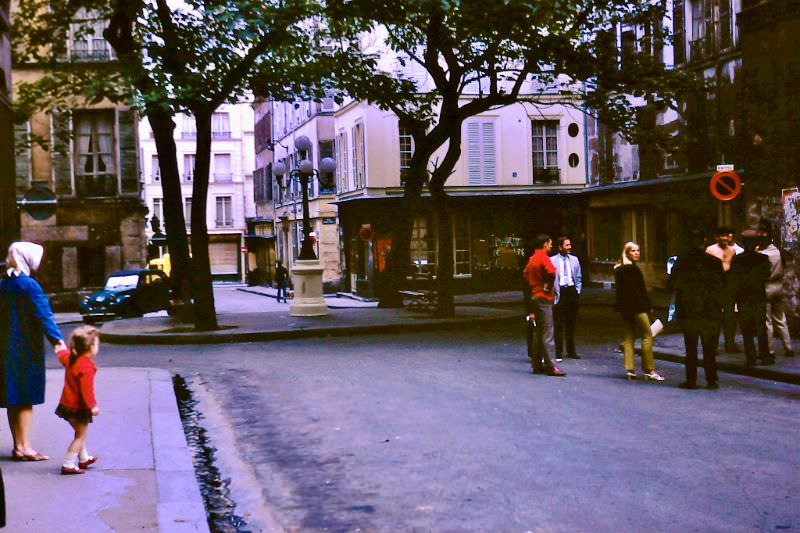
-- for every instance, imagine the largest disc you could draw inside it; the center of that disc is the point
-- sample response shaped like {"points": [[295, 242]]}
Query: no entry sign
{"points": [[725, 186]]}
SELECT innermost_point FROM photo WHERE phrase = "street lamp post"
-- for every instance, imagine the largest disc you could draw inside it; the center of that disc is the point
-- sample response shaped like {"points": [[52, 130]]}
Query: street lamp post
{"points": [[307, 270]]}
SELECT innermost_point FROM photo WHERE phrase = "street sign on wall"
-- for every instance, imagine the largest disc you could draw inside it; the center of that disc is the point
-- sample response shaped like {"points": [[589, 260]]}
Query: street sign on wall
{"points": [[726, 185]]}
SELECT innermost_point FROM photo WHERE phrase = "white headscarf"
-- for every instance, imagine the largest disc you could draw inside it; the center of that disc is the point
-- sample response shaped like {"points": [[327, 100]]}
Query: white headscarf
{"points": [[24, 258]]}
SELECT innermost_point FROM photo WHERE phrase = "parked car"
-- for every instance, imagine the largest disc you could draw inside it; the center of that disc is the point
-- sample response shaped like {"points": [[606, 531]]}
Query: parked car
{"points": [[128, 293]]}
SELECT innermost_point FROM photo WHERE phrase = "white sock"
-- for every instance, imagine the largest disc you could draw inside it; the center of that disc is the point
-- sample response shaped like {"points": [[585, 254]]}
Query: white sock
{"points": [[70, 460], [84, 456]]}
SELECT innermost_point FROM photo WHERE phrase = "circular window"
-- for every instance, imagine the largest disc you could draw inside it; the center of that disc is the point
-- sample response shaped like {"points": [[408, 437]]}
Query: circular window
{"points": [[573, 130], [574, 160]]}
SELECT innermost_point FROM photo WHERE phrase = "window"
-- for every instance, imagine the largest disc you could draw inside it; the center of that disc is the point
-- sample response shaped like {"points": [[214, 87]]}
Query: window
{"points": [[188, 127], [358, 156], [262, 135], [342, 162], [678, 23], [187, 211], [224, 212], [86, 38], [545, 150], [95, 168], [220, 126], [222, 168], [423, 246], [188, 166], [481, 156], [461, 241], [406, 151], [157, 214], [155, 171]]}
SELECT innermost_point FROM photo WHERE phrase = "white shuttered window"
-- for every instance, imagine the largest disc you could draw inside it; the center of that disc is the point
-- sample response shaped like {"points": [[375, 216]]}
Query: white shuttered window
{"points": [[481, 152]]}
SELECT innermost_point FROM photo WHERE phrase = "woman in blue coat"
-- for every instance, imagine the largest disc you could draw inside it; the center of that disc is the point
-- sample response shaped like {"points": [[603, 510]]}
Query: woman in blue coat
{"points": [[25, 316]]}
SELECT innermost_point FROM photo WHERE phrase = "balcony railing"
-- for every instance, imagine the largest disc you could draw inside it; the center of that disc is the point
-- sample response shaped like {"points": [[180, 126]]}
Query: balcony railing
{"points": [[90, 56], [546, 175], [96, 186], [225, 223], [220, 135]]}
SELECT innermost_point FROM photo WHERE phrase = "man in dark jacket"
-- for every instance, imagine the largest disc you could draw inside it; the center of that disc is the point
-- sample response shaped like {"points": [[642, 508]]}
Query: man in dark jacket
{"points": [[697, 279], [750, 272]]}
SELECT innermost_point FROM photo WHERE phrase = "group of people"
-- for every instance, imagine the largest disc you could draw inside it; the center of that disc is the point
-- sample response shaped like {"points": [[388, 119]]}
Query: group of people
{"points": [[723, 282], [26, 319], [553, 288], [712, 285]]}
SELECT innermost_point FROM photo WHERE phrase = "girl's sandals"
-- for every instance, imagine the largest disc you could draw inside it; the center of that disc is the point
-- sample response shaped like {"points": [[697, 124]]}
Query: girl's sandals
{"points": [[653, 376], [18, 455], [630, 375]]}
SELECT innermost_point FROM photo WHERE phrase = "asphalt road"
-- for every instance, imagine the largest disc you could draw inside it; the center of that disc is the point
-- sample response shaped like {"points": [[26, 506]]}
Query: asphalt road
{"points": [[449, 432]]}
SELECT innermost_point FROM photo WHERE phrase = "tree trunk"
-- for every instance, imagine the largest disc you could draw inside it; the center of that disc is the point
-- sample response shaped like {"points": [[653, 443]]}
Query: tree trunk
{"points": [[445, 306], [205, 316], [400, 256], [174, 224]]}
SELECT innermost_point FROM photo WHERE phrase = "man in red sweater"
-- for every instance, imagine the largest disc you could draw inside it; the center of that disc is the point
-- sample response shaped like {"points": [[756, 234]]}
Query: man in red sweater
{"points": [[541, 276]]}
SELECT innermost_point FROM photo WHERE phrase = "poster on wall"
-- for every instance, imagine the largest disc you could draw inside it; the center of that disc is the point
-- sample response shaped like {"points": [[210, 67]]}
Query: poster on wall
{"points": [[791, 216]]}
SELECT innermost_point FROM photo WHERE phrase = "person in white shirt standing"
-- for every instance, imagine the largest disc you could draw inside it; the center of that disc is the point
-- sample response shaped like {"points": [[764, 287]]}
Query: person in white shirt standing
{"points": [[568, 289], [723, 251], [776, 315]]}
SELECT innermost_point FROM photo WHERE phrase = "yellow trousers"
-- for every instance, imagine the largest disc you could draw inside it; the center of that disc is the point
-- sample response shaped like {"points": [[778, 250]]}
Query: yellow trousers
{"points": [[638, 326]]}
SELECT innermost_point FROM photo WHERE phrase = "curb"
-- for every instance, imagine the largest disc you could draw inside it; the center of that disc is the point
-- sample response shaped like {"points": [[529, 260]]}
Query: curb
{"points": [[730, 368], [231, 336]]}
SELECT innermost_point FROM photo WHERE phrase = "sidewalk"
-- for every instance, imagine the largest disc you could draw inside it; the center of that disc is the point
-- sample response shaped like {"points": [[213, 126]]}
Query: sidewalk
{"points": [[350, 316], [144, 480]]}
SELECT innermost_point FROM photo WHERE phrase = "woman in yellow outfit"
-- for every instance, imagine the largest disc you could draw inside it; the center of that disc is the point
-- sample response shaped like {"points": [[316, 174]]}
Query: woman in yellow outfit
{"points": [[634, 306]]}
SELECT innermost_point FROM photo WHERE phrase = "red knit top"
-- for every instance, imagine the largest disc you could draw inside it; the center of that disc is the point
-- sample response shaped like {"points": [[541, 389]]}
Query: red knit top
{"points": [[78, 390], [540, 275]]}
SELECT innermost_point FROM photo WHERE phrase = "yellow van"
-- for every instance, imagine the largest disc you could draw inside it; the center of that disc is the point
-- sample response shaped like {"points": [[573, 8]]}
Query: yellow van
{"points": [[160, 263]]}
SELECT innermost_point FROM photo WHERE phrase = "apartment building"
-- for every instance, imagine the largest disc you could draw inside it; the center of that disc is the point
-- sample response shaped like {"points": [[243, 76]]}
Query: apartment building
{"points": [[654, 196], [8, 211], [518, 168], [230, 191], [260, 238], [90, 164]]}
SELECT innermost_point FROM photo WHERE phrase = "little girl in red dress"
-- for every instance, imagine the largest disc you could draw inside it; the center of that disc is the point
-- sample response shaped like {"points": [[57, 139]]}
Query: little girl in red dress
{"points": [[78, 404]]}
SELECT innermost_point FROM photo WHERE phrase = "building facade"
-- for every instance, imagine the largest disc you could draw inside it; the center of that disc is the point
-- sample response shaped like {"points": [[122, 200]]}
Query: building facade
{"points": [[90, 164], [8, 212], [230, 191], [520, 168]]}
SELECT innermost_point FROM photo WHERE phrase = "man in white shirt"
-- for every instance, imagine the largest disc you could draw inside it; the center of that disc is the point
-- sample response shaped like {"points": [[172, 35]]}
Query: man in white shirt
{"points": [[776, 316], [723, 251], [568, 289]]}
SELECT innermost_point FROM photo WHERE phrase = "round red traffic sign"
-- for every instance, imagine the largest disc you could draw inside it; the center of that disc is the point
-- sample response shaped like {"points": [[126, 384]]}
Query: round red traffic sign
{"points": [[725, 186]]}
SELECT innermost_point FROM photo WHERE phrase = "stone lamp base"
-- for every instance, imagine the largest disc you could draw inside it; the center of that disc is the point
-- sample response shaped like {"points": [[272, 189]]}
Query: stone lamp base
{"points": [[308, 300]]}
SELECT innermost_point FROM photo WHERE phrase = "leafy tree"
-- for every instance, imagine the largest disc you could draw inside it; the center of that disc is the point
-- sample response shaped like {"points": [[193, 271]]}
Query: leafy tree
{"points": [[191, 56], [480, 56]]}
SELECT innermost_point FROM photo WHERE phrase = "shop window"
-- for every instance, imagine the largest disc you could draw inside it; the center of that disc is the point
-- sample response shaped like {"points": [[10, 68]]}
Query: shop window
{"points": [[91, 266], [423, 246], [606, 235], [461, 241]]}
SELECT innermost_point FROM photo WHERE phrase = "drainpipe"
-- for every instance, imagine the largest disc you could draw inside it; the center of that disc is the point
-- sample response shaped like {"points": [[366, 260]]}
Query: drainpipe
{"points": [[585, 136]]}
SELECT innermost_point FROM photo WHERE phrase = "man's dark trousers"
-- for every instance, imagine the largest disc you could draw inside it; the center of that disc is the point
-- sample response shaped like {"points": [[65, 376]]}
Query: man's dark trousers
{"points": [[728, 314], [565, 316], [708, 333], [752, 319]]}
